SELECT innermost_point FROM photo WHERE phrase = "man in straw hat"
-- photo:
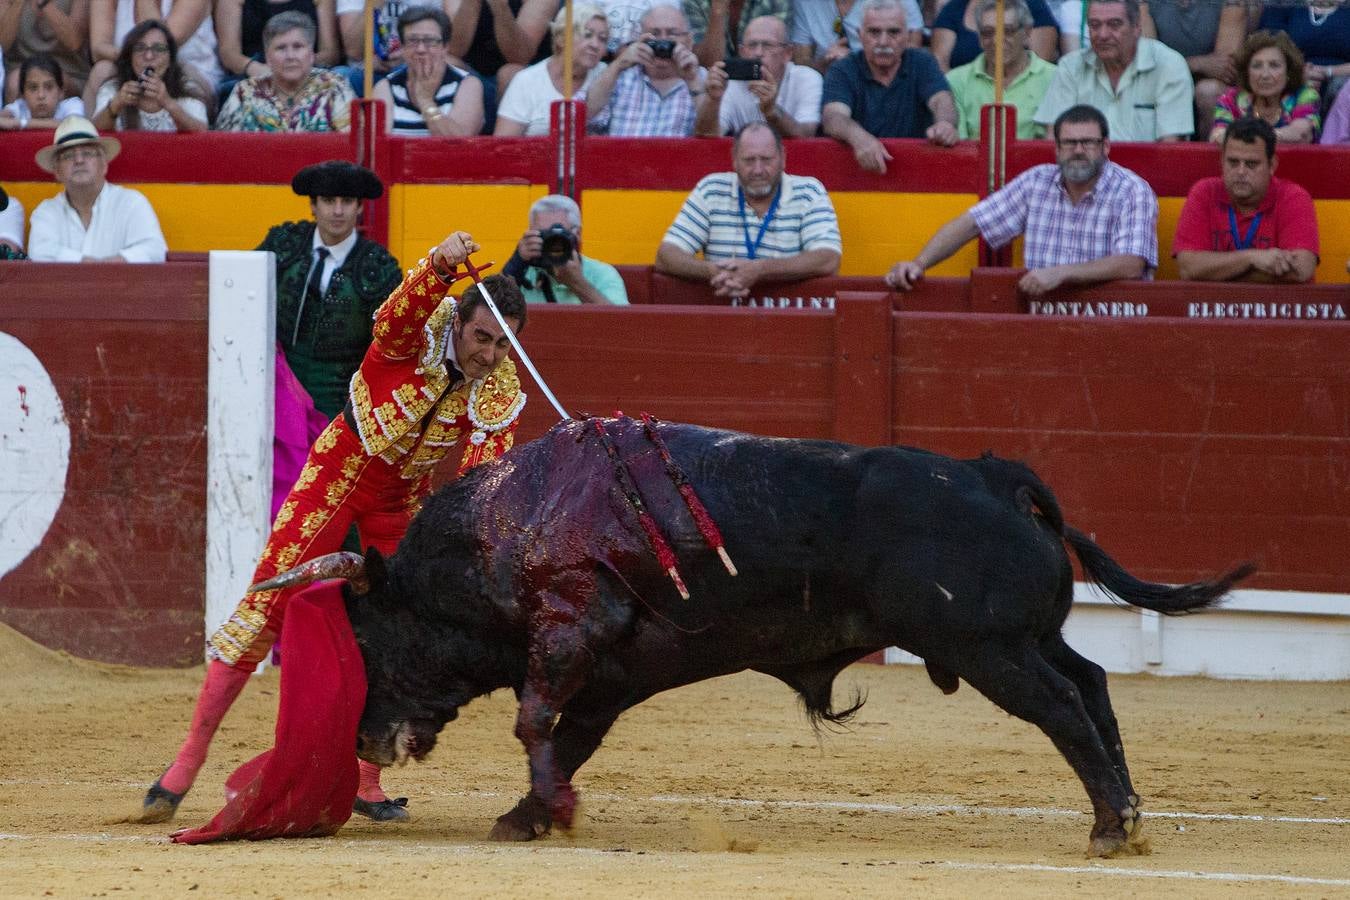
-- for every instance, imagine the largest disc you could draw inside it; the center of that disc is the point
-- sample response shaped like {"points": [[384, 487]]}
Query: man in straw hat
{"points": [[437, 375], [330, 280], [91, 220]]}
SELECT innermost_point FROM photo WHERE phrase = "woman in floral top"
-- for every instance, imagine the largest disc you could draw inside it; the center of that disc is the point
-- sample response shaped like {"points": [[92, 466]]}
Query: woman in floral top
{"points": [[1271, 86], [293, 96]]}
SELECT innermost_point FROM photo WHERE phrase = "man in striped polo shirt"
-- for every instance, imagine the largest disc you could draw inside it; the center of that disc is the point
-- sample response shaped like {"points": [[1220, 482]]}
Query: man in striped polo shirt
{"points": [[755, 224]]}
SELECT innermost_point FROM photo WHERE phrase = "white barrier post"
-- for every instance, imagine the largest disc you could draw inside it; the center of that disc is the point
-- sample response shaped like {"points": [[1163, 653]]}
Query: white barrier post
{"points": [[240, 399]]}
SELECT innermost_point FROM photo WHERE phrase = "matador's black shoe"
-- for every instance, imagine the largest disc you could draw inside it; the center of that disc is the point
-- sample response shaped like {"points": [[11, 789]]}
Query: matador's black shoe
{"points": [[382, 810], [159, 805]]}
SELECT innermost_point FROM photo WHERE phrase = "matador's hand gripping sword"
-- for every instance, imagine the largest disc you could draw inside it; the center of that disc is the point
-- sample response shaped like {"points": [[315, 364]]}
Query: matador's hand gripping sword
{"points": [[474, 273]]}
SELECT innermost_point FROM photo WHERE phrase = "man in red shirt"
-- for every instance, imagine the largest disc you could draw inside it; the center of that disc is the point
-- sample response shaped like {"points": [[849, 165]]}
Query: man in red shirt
{"points": [[1247, 225]]}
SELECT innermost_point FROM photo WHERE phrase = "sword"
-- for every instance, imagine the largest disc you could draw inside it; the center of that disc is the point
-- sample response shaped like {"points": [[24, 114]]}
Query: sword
{"points": [[511, 335]]}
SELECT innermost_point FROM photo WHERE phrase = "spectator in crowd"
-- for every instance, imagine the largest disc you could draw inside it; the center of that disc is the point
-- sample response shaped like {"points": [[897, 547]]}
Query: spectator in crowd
{"points": [[190, 23], [41, 102], [57, 28], [11, 227], [1208, 34], [1321, 31], [641, 94], [1142, 86], [1247, 225], [956, 40], [1026, 76], [755, 224], [547, 274], [1072, 25], [330, 280], [786, 95], [1337, 129], [1271, 88], [239, 28], [91, 220], [822, 35], [1085, 219], [498, 38], [625, 21], [716, 36], [525, 108], [388, 52], [428, 95], [295, 96], [886, 90], [149, 92]]}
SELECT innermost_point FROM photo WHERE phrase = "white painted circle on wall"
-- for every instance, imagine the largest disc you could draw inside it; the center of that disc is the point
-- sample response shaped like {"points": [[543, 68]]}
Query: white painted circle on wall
{"points": [[34, 452]]}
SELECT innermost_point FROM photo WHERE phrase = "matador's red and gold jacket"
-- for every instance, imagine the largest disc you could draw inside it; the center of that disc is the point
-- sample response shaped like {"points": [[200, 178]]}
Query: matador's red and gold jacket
{"points": [[401, 398]]}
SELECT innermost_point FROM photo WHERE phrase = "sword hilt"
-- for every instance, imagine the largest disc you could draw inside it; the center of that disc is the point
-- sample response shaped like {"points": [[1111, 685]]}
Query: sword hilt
{"points": [[473, 271]]}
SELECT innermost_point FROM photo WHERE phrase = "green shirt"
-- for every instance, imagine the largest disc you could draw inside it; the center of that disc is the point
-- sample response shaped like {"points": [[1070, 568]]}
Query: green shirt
{"points": [[604, 277], [973, 88], [1154, 97]]}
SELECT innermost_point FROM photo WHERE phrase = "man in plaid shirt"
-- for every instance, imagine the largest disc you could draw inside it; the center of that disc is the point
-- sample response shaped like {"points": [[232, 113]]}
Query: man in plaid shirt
{"points": [[1086, 219], [642, 94]]}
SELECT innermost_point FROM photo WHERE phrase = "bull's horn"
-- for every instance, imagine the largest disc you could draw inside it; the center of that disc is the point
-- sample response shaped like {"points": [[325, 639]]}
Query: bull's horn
{"points": [[351, 566]]}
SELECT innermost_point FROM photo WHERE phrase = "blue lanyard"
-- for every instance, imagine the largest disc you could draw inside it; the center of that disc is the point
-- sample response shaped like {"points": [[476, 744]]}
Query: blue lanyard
{"points": [[1242, 243], [763, 226]]}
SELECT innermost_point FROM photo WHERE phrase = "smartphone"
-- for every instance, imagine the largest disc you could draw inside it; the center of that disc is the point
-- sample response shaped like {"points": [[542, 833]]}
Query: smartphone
{"points": [[741, 69]]}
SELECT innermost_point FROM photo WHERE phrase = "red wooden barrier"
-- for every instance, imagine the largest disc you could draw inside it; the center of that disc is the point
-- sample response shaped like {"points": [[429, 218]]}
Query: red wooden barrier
{"points": [[121, 572], [1185, 444]]}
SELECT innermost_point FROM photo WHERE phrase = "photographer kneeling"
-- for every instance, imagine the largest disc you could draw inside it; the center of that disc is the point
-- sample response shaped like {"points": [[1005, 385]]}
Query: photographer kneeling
{"points": [[548, 263]]}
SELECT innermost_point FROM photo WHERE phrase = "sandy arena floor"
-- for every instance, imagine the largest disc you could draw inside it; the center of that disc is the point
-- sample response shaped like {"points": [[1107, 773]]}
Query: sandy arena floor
{"points": [[716, 790]]}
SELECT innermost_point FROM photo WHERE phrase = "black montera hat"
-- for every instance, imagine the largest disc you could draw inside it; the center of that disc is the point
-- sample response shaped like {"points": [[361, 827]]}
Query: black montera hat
{"points": [[337, 178]]}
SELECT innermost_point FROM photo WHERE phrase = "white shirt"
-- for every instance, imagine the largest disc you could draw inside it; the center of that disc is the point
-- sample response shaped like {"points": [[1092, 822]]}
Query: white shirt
{"points": [[530, 96], [11, 223], [337, 255], [798, 96], [122, 224], [71, 106]]}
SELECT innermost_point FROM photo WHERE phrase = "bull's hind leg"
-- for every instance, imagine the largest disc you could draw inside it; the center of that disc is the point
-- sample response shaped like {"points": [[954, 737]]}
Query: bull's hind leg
{"points": [[1090, 679], [1020, 681]]}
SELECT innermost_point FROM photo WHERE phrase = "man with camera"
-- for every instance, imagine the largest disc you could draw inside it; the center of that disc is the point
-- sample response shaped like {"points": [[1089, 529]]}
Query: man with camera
{"points": [[761, 85], [755, 224], [548, 264], [651, 87]]}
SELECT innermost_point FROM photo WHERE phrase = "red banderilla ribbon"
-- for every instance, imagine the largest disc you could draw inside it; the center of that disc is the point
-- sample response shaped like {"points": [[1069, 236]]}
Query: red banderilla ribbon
{"points": [[706, 526]]}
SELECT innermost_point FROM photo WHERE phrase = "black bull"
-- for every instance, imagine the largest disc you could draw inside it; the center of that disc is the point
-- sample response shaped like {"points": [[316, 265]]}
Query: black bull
{"points": [[533, 573]]}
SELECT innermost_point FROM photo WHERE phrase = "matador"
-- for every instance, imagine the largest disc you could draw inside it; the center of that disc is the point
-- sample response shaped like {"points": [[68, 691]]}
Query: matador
{"points": [[437, 374]]}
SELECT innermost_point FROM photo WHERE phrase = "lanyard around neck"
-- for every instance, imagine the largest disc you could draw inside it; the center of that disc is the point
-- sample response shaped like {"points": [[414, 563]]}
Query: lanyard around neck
{"points": [[1242, 243], [750, 248]]}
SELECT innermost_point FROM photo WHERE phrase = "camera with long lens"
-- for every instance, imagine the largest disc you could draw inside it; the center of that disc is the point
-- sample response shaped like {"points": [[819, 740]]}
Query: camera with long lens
{"points": [[558, 246], [662, 49]]}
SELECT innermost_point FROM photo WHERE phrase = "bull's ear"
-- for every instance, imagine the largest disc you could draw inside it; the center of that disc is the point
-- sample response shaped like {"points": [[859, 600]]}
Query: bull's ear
{"points": [[377, 573]]}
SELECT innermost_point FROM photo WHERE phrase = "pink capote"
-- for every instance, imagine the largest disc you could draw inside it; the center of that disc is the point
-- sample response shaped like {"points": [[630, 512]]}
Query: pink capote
{"points": [[298, 423], [305, 785]]}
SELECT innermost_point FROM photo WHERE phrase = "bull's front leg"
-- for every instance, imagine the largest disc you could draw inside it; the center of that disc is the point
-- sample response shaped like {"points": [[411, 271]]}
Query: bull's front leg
{"points": [[555, 672]]}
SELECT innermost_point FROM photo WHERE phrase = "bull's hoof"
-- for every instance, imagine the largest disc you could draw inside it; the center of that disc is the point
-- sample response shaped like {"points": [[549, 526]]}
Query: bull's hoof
{"points": [[564, 807], [1125, 839], [382, 810], [159, 805], [528, 821]]}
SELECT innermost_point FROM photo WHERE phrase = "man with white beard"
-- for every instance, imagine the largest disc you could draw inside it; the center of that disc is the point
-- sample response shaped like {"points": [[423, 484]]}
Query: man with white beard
{"points": [[1086, 219], [755, 224]]}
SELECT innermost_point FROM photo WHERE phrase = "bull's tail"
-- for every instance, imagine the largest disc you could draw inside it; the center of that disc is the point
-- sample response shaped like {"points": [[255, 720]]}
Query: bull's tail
{"points": [[1100, 569]]}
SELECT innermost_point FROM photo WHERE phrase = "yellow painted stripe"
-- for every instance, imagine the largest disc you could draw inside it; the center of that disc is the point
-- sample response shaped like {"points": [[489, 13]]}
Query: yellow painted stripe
{"points": [[622, 227]]}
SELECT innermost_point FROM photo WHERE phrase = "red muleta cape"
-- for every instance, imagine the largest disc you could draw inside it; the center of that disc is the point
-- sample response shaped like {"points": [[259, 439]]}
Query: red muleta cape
{"points": [[304, 786]]}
